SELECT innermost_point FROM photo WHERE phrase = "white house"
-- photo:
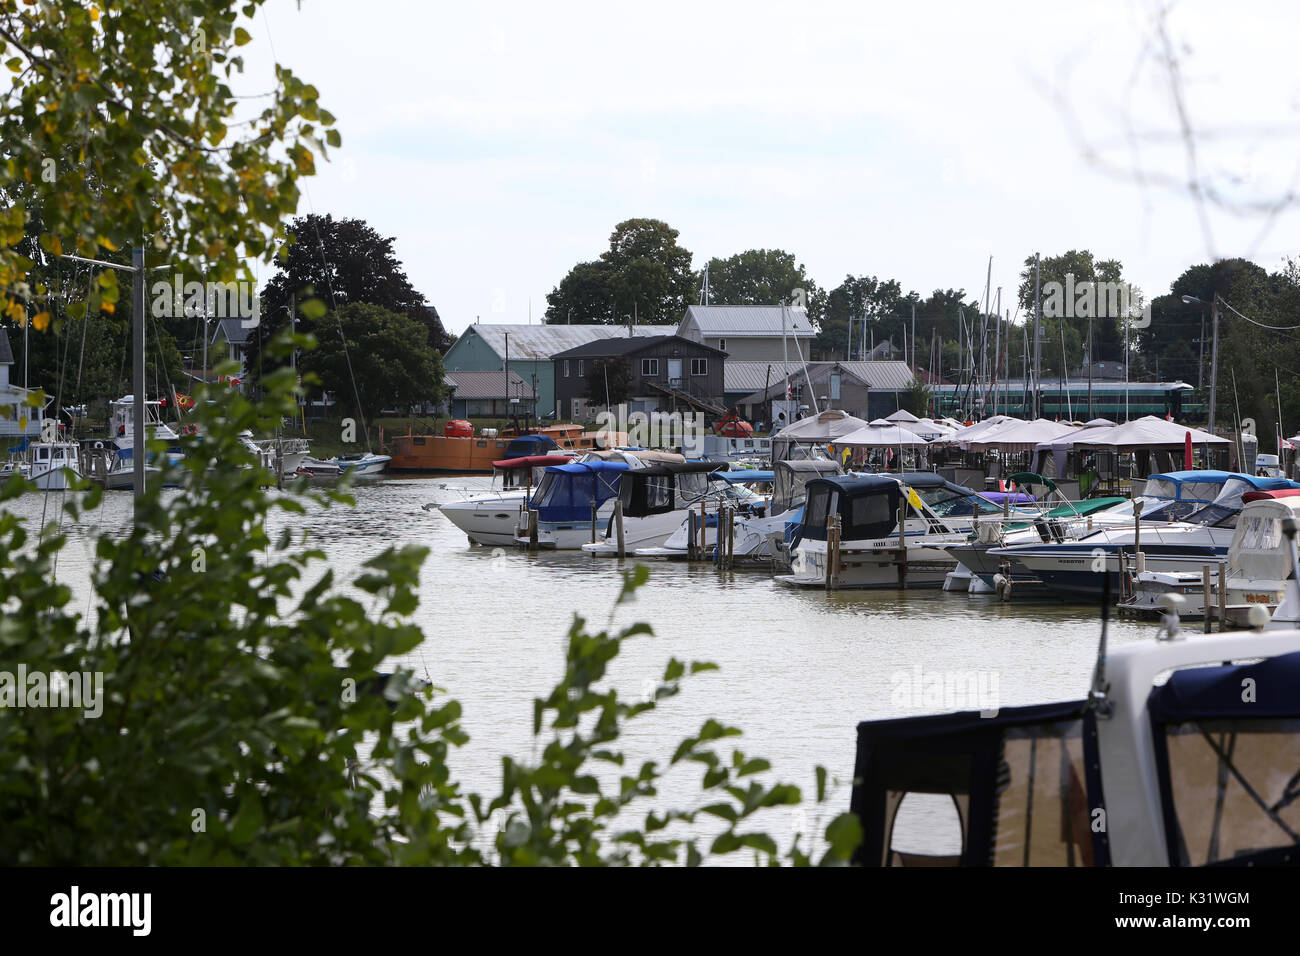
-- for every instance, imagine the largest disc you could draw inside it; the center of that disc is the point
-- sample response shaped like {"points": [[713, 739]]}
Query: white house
{"points": [[17, 418], [750, 333]]}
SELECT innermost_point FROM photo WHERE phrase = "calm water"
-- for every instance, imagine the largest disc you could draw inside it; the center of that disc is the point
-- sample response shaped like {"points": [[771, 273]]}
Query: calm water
{"points": [[799, 668]]}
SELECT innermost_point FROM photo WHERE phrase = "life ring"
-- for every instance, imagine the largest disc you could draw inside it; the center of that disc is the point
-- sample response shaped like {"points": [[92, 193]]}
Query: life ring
{"points": [[99, 446], [190, 429]]}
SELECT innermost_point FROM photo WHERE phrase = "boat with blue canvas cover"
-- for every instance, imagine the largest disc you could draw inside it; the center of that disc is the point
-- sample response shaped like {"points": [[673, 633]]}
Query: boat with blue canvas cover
{"points": [[573, 502], [1078, 568], [655, 501]]}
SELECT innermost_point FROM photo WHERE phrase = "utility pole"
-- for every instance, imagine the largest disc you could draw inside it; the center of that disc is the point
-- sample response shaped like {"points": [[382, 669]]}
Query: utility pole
{"points": [[1038, 343], [1214, 359]]}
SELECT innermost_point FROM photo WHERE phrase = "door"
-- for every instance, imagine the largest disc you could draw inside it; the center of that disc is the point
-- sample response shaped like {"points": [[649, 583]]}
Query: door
{"points": [[675, 372]]}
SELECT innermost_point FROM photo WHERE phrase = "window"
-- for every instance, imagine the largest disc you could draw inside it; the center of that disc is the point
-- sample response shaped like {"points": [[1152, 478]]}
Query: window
{"points": [[835, 386], [577, 408], [699, 366], [722, 344], [580, 370], [650, 367], [566, 368]]}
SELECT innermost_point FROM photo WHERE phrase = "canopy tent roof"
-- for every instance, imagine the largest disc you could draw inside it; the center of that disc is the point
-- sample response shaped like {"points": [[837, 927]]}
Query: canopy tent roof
{"points": [[929, 429], [827, 426], [1147, 432], [967, 432], [881, 434], [902, 415], [1019, 436]]}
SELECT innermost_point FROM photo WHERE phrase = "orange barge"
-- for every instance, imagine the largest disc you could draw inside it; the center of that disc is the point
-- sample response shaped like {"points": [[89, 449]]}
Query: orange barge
{"points": [[460, 454]]}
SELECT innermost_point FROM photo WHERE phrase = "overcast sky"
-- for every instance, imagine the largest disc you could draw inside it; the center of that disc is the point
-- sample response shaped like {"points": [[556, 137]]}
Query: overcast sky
{"points": [[500, 143]]}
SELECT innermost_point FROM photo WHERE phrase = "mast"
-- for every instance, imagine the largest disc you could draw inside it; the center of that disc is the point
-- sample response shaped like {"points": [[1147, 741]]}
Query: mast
{"points": [[137, 373]]}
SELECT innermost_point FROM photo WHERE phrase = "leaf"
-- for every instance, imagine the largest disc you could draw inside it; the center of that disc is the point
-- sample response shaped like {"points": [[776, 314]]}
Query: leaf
{"points": [[241, 36]]}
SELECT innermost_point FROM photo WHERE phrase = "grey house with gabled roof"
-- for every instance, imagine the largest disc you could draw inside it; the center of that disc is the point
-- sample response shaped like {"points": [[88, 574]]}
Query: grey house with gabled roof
{"points": [[668, 373], [751, 333]]}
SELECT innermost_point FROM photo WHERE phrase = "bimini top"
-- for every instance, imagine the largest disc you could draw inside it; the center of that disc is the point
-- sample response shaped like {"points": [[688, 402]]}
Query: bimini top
{"points": [[743, 477], [532, 461], [1201, 486], [1197, 693], [530, 445]]}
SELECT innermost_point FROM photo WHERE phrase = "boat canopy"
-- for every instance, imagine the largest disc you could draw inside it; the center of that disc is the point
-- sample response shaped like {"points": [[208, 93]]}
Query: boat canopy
{"points": [[1022, 782], [1226, 760], [1259, 551], [867, 506], [570, 492], [531, 461], [789, 478], [745, 477], [527, 445], [664, 487]]}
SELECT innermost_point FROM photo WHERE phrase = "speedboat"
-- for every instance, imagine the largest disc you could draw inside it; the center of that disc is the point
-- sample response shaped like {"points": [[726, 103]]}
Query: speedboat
{"points": [[1255, 573], [490, 518], [367, 465], [1076, 568], [731, 489]]}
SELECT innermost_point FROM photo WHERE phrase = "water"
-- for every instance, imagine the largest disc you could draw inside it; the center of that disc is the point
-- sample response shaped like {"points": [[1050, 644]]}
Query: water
{"points": [[798, 669]]}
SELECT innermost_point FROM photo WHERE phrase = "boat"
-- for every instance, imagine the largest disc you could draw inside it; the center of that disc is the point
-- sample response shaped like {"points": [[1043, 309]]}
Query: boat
{"points": [[55, 465], [457, 453], [366, 465], [491, 518], [655, 500], [1142, 771], [1256, 571], [1076, 568], [573, 501], [874, 551]]}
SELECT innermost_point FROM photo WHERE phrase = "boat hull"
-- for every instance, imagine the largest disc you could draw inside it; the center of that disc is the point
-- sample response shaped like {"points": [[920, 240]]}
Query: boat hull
{"points": [[486, 520]]}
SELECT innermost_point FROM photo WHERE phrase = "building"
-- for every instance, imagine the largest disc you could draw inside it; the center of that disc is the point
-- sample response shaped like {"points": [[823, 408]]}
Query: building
{"points": [[865, 389], [489, 395], [17, 418], [668, 373], [528, 349], [751, 333]]}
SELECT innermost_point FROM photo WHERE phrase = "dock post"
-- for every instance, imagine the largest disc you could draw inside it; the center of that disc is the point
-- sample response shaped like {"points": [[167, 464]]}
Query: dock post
{"points": [[618, 525], [902, 544], [690, 534], [593, 522], [532, 529], [833, 553], [704, 524], [1205, 600], [1223, 595], [720, 541], [731, 538]]}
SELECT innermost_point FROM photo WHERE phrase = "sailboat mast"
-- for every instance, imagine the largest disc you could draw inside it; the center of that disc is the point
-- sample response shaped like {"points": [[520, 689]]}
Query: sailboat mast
{"points": [[137, 373]]}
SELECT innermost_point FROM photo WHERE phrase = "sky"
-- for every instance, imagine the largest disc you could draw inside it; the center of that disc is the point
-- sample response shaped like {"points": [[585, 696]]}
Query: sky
{"points": [[499, 144]]}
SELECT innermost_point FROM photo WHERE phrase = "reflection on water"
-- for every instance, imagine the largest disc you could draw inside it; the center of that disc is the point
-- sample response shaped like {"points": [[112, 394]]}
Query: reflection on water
{"points": [[799, 668]]}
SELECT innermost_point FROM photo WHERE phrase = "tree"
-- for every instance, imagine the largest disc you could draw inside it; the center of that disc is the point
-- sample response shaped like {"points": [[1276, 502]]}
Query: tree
{"points": [[762, 277], [609, 382], [644, 275], [918, 398], [340, 261], [386, 354], [1072, 270]]}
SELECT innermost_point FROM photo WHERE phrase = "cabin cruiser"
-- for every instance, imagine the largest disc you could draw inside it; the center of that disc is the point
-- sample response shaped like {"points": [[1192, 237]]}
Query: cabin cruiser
{"points": [[1256, 571], [730, 489], [490, 518], [873, 550], [55, 465], [1187, 771], [757, 536], [1077, 568], [655, 500], [1165, 497], [574, 501]]}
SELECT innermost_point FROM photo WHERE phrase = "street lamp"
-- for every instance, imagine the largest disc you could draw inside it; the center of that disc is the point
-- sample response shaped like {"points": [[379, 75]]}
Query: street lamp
{"points": [[1214, 353]]}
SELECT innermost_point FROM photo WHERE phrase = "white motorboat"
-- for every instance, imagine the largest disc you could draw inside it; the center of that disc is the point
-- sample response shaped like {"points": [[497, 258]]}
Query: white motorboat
{"points": [[491, 518], [366, 465], [655, 500], [732, 489], [55, 466]]}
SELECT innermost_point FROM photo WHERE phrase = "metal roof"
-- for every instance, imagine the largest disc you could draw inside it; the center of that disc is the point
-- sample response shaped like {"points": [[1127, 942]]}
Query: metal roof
{"points": [[746, 321], [234, 331], [537, 343], [753, 376], [489, 385], [626, 345]]}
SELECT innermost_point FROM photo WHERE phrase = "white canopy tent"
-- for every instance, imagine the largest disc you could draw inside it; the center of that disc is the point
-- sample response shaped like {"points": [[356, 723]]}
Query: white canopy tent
{"points": [[964, 435], [1146, 433], [821, 429], [902, 415], [1014, 436], [881, 434]]}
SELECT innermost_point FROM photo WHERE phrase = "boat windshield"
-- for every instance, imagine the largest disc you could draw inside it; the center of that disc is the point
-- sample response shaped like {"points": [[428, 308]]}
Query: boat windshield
{"points": [[947, 502], [1223, 512]]}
